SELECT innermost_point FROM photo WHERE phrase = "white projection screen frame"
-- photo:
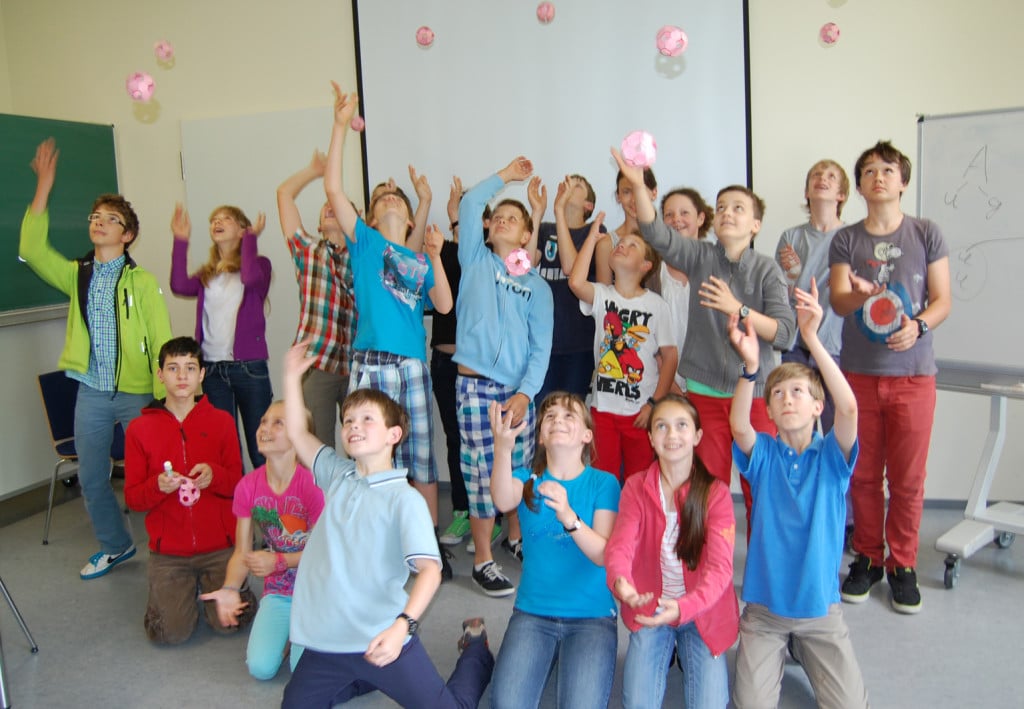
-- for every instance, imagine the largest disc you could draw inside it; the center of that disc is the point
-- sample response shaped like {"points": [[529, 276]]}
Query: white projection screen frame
{"points": [[497, 83]]}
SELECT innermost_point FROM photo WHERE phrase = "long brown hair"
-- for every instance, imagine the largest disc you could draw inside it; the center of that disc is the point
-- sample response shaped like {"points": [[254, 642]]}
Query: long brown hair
{"points": [[229, 263], [540, 456], [694, 512]]}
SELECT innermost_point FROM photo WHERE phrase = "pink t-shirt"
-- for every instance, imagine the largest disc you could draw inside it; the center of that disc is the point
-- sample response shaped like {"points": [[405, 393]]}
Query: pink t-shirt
{"points": [[285, 520]]}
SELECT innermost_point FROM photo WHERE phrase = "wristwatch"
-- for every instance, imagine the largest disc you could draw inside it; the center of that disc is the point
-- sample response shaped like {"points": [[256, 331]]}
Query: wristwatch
{"points": [[575, 526], [414, 625], [744, 312], [922, 327]]}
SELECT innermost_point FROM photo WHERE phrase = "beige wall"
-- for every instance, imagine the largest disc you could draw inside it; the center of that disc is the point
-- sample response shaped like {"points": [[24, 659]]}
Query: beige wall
{"points": [[67, 59]]}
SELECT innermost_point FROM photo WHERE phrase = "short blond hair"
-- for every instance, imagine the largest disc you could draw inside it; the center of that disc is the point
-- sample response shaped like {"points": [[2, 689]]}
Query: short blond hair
{"points": [[794, 370]]}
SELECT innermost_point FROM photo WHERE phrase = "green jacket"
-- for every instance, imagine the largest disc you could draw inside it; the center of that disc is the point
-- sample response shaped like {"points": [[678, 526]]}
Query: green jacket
{"points": [[143, 325]]}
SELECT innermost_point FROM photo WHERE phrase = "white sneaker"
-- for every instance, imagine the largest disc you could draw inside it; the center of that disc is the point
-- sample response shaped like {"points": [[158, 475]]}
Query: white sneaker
{"points": [[100, 563]]}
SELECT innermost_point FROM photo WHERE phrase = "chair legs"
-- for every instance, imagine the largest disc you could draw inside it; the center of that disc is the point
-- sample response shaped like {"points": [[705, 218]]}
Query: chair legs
{"points": [[53, 486]]}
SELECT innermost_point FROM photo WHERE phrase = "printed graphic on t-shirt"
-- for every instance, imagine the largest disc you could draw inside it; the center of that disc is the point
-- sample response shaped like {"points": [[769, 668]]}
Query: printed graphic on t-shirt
{"points": [[284, 523], [620, 369], [882, 314], [403, 275]]}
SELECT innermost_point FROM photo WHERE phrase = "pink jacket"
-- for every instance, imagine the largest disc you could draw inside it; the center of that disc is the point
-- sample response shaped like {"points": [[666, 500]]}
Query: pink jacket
{"points": [[634, 552]]}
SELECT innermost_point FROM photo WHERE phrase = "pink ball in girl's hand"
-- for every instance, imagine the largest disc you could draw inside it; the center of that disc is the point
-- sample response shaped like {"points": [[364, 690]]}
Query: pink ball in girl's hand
{"points": [[424, 36], [357, 124], [188, 493], [671, 41], [140, 86], [163, 50], [546, 12], [829, 33], [639, 149]]}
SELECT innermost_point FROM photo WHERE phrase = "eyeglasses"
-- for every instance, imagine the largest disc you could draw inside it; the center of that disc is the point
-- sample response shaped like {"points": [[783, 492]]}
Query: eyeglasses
{"points": [[106, 218]]}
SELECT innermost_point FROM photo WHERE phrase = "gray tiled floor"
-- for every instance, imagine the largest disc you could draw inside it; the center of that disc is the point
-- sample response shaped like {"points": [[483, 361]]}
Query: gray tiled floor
{"points": [[964, 649]]}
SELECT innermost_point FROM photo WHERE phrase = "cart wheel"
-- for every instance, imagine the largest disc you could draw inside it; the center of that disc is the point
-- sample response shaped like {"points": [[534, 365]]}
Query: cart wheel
{"points": [[952, 574], [69, 482], [1004, 540]]}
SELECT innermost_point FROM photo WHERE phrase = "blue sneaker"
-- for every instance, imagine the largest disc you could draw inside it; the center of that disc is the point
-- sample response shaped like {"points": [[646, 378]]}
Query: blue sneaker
{"points": [[101, 564]]}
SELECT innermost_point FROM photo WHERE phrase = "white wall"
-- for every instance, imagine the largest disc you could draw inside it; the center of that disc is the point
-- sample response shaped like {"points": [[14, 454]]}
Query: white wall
{"points": [[893, 61]]}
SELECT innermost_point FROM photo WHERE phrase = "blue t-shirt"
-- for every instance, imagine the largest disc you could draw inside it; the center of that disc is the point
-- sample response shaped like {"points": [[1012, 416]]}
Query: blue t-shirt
{"points": [[391, 286], [558, 580], [798, 519]]}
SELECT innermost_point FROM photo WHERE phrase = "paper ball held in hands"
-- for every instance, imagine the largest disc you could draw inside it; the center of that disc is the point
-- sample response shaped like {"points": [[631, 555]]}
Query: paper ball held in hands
{"points": [[188, 493], [424, 36], [671, 41], [829, 33], [546, 12], [163, 50], [357, 124], [639, 149], [140, 86], [518, 262]]}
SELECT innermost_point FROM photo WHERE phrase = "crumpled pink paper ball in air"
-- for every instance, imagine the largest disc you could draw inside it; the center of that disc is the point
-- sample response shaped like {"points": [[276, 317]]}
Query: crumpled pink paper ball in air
{"points": [[164, 50], [671, 41], [829, 33], [140, 86], [639, 149], [357, 124], [546, 12], [424, 36]]}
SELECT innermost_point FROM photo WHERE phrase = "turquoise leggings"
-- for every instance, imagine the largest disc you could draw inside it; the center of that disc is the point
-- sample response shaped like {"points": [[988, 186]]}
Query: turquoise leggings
{"points": [[268, 637]]}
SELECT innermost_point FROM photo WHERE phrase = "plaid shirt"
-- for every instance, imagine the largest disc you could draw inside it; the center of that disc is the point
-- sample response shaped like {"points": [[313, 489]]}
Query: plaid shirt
{"points": [[101, 314], [328, 306]]}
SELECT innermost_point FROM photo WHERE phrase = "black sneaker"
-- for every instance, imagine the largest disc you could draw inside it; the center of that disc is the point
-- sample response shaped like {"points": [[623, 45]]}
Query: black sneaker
{"points": [[492, 582], [473, 631], [514, 548], [906, 597], [446, 566], [859, 581]]}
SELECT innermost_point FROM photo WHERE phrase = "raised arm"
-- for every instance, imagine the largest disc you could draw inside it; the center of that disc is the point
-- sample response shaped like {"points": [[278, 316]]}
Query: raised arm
{"points": [[566, 248], [646, 212], [344, 107], [181, 229], [255, 271], [295, 364], [746, 345], [287, 191], [506, 491], [441, 293], [424, 196], [44, 164], [537, 194], [808, 316], [578, 283]]}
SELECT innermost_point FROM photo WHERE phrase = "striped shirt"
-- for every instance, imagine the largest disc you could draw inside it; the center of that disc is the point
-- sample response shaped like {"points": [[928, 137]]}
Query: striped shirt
{"points": [[672, 583], [101, 314], [326, 299]]}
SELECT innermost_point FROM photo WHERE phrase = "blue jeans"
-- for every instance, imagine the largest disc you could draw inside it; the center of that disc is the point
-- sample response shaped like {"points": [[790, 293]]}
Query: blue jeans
{"points": [[268, 637], [96, 412], [705, 677], [241, 388], [583, 648]]}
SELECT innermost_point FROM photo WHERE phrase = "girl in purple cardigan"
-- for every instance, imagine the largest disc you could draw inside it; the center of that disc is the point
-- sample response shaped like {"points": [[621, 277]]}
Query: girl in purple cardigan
{"points": [[231, 291], [669, 561]]}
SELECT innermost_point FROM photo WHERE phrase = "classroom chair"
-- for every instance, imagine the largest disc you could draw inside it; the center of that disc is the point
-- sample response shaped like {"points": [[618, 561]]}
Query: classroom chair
{"points": [[59, 394]]}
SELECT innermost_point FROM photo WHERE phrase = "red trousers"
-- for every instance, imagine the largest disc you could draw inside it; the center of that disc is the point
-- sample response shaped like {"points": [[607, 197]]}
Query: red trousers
{"points": [[621, 449], [894, 429]]}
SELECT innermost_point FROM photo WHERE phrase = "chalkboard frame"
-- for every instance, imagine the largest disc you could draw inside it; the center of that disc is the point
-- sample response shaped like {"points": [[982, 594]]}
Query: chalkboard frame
{"points": [[86, 168]]}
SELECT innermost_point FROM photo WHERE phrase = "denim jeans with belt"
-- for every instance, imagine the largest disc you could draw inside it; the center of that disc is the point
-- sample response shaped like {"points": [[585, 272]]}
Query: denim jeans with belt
{"points": [[241, 388]]}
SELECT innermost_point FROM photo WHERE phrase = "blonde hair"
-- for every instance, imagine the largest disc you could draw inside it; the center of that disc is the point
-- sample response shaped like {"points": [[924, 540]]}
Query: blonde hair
{"points": [[217, 264]]}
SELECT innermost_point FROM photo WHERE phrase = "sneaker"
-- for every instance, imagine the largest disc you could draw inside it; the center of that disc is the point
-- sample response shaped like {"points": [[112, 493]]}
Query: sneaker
{"points": [[457, 530], [473, 631], [492, 581], [514, 548], [495, 533], [446, 566], [906, 596], [100, 563], [859, 581]]}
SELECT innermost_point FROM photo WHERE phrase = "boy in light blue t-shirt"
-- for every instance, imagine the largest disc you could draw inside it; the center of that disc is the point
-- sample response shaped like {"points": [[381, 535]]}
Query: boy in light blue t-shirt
{"points": [[350, 609], [798, 482]]}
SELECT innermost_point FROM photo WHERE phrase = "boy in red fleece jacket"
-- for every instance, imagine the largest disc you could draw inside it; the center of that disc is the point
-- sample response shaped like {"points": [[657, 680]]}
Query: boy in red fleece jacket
{"points": [[182, 463]]}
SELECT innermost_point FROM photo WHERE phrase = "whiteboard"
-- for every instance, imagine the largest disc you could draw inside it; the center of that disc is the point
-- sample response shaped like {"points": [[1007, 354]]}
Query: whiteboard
{"points": [[972, 185], [497, 83]]}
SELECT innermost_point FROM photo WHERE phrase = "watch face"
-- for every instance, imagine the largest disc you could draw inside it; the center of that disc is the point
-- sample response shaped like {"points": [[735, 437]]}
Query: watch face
{"points": [[744, 312]]}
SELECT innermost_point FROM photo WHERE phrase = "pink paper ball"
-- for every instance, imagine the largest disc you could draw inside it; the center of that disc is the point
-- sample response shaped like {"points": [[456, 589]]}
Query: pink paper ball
{"points": [[639, 149], [829, 33], [424, 36], [357, 124], [671, 41], [546, 12], [140, 86], [163, 50], [188, 493]]}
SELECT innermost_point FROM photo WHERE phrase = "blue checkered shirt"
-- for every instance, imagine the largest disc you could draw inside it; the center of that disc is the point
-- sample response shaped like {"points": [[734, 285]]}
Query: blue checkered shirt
{"points": [[101, 311]]}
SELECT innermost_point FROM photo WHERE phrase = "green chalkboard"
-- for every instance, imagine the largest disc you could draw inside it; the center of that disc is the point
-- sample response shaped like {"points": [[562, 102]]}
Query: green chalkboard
{"points": [[86, 168]]}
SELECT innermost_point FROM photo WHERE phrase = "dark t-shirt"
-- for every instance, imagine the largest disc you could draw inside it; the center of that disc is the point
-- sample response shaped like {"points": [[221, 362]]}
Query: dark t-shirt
{"points": [[443, 332], [573, 331]]}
